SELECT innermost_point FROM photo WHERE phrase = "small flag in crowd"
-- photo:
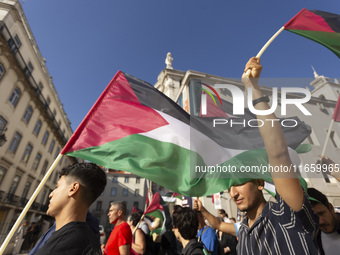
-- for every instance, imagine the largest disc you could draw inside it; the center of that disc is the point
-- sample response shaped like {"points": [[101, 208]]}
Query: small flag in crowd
{"points": [[156, 210], [134, 209]]}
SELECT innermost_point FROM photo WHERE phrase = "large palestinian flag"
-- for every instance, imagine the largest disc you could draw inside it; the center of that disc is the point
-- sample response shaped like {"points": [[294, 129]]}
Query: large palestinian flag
{"points": [[135, 128], [319, 26]]}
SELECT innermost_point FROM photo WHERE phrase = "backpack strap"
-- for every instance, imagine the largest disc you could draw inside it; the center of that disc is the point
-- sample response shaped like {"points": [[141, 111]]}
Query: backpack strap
{"points": [[200, 240], [204, 229]]}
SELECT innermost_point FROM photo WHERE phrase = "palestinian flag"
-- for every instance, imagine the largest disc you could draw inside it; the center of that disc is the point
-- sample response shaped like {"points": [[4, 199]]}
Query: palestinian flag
{"points": [[319, 26], [134, 209], [135, 128], [156, 210], [177, 195]]}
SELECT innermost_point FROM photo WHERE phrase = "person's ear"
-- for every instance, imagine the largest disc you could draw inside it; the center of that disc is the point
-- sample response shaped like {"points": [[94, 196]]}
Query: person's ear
{"points": [[331, 208], [260, 184], [74, 188]]}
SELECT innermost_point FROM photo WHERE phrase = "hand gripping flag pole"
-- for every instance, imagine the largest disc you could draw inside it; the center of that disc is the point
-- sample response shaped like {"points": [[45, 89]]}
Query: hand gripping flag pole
{"points": [[259, 54], [29, 203]]}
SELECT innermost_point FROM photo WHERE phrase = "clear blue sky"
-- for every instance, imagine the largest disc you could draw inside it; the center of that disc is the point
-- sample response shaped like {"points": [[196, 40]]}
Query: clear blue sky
{"points": [[86, 42]]}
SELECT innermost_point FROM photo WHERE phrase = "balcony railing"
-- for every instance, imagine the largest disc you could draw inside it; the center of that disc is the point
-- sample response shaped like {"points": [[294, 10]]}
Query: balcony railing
{"points": [[20, 202]]}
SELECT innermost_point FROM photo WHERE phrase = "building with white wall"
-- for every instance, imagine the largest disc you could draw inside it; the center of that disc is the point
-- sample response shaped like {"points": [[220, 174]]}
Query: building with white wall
{"points": [[325, 92], [32, 119]]}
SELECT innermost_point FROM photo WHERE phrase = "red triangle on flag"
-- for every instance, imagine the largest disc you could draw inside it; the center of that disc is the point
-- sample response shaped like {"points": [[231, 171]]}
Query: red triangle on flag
{"points": [[116, 102]]}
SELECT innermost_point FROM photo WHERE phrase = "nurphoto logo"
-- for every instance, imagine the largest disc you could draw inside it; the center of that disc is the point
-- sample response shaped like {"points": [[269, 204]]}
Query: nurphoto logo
{"points": [[238, 104]]}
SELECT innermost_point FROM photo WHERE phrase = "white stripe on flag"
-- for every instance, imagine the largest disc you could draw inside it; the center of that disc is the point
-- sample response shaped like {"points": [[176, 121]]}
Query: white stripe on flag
{"points": [[179, 133]]}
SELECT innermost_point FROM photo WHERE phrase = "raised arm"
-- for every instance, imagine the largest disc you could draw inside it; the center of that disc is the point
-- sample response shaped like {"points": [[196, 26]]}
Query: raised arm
{"points": [[228, 228], [286, 183]]}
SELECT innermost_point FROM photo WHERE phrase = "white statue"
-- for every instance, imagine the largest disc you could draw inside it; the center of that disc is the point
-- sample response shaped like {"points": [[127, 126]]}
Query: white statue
{"points": [[168, 61]]}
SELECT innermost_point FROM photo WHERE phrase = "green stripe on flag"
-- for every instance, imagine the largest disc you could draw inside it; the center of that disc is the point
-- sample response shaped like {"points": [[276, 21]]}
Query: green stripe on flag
{"points": [[327, 39], [157, 214], [169, 165]]}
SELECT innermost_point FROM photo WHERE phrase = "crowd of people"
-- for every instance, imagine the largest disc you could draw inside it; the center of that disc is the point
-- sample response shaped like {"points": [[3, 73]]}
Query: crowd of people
{"points": [[297, 223]]}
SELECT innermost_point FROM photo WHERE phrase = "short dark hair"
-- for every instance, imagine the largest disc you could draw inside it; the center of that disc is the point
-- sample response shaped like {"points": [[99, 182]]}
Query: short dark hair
{"points": [[177, 210], [223, 211], [187, 223], [120, 205], [135, 217], [91, 178], [314, 193], [177, 207]]}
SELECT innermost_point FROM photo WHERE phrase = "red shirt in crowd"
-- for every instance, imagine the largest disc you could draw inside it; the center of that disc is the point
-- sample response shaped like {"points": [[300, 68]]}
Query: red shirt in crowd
{"points": [[120, 235]]}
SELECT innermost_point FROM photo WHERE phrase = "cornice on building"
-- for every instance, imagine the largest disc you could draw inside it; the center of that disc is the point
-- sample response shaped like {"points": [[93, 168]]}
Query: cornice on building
{"points": [[319, 82], [16, 11]]}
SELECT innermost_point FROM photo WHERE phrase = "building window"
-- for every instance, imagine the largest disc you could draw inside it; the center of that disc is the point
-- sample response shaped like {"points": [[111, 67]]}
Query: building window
{"points": [[28, 114], [115, 179], [37, 127], [137, 180], [113, 192], [43, 196], [44, 168], [12, 45], [17, 41], [56, 176], [136, 192], [50, 149], [15, 142], [27, 153], [125, 192], [40, 86], [126, 180], [14, 184], [36, 161], [3, 124], [335, 139], [2, 173], [99, 206], [2, 71], [54, 113], [57, 152], [14, 98], [48, 101], [26, 189], [45, 138], [30, 66]]}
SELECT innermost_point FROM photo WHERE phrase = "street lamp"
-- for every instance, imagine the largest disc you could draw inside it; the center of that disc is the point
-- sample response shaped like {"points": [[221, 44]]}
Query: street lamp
{"points": [[2, 137]]}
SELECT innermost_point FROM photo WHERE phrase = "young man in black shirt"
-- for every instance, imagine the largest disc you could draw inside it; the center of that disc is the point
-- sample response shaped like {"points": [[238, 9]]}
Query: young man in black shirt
{"points": [[78, 187]]}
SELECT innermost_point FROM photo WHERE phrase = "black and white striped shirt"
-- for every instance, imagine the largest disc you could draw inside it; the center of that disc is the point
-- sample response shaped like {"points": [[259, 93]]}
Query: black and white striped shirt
{"points": [[280, 230]]}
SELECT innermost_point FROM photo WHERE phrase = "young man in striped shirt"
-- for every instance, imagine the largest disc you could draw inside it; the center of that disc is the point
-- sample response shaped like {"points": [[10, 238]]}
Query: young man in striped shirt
{"points": [[287, 226]]}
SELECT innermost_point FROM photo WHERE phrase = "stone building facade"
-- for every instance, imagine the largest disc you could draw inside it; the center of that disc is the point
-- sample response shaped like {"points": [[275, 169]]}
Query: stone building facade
{"points": [[32, 120], [178, 85]]}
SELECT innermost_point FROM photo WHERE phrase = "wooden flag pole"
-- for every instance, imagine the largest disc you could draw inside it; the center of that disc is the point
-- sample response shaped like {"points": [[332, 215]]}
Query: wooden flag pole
{"points": [[327, 138], [28, 205], [269, 42], [266, 46], [141, 218]]}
